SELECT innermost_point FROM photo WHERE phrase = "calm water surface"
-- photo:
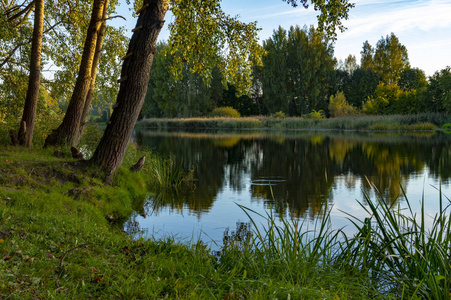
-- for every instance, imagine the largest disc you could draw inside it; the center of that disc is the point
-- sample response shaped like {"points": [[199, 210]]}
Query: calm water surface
{"points": [[295, 171]]}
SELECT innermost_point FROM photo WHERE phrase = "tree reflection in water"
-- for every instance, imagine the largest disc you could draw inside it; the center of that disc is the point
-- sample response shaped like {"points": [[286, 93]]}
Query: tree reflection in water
{"points": [[296, 170]]}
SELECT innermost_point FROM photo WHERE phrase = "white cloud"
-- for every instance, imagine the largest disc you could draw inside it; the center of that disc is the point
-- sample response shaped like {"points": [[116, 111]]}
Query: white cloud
{"points": [[398, 17]]}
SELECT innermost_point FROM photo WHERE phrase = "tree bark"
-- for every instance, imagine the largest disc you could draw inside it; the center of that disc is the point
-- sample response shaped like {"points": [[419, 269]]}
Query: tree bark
{"points": [[134, 80], [68, 131], [25, 135], [95, 64]]}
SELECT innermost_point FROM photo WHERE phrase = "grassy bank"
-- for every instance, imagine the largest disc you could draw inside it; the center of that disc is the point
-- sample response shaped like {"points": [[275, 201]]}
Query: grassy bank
{"points": [[385, 123], [61, 237]]}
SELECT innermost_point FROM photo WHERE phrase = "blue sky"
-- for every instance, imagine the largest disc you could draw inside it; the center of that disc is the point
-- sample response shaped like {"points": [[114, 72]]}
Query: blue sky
{"points": [[423, 26]]}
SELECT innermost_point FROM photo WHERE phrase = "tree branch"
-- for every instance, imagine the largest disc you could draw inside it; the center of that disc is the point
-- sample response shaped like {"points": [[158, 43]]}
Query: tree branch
{"points": [[112, 17], [62, 259], [14, 8], [4, 4], [6, 60], [10, 55], [24, 18], [26, 11]]}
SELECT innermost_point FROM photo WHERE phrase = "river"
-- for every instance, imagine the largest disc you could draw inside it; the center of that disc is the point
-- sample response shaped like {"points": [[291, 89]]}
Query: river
{"points": [[297, 172]]}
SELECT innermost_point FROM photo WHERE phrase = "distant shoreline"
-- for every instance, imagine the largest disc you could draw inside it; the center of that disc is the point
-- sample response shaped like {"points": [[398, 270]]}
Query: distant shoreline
{"points": [[420, 122]]}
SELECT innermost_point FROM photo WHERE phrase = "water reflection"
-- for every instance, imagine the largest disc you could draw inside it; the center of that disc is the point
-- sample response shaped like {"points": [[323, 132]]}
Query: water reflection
{"points": [[297, 170]]}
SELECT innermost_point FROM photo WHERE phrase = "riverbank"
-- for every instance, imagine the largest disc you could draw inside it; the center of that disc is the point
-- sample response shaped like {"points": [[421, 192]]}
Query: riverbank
{"points": [[373, 123], [61, 237]]}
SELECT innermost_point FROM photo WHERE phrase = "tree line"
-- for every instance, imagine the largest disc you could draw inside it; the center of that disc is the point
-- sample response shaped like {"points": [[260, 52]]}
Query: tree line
{"points": [[299, 75]]}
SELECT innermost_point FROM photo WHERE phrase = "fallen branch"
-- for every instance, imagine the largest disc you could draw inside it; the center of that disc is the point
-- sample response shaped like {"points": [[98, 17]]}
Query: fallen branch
{"points": [[62, 260]]}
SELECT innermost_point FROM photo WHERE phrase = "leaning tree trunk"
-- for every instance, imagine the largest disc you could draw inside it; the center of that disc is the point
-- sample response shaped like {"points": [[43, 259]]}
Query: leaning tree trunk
{"points": [[134, 80], [25, 136], [95, 64], [68, 131]]}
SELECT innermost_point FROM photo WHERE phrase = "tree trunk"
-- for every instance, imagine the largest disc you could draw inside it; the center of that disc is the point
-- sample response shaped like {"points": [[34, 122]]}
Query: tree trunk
{"points": [[95, 64], [68, 131], [31, 101], [134, 81]]}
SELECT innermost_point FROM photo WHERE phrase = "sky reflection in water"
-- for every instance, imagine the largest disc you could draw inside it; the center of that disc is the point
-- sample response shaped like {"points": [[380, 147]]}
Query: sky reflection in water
{"points": [[295, 171]]}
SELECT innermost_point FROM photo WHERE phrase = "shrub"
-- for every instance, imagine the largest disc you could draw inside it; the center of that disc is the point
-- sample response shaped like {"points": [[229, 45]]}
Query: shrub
{"points": [[278, 115], [316, 115], [338, 106], [423, 126], [391, 99], [225, 111]]}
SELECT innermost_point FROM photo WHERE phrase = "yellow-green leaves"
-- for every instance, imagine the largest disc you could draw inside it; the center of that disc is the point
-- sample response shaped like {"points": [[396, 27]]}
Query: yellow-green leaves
{"points": [[205, 37], [331, 14]]}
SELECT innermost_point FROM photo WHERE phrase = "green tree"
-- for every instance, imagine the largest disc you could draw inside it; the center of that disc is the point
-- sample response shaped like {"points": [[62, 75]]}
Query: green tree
{"points": [[367, 53], [167, 96], [437, 97], [277, 94], [69, 130], [391, 99], [361, 85], [64, 23], [390, 59], [350, 64], [412, 79], [298, 71], [25, 136], [244, 104], [15, 49], [338, 106]]}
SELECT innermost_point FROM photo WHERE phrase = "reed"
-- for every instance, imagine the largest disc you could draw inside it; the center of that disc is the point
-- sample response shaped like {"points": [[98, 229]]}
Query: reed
{"points": [[425, 121], [392, 254], [164, 173], [398, 250]]}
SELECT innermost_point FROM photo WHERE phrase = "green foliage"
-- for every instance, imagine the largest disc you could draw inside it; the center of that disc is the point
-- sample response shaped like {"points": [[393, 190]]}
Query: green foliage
{"points": [[412, 79], [338, 106], [164, 174], [437, 97], [189, 96], [227, 112], [361, 85], [168, 96], [391, 99], [390, 59], [329, 20], [278, 115], [316, 115], [367, 54], [48, 114], [208, 31], [244, 104], [297, 71], [64, 34]]}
